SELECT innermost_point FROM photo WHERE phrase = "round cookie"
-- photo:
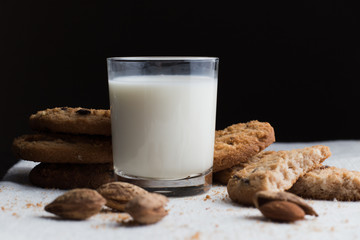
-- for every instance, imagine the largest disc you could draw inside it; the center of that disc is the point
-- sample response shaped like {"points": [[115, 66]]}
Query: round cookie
{"points": [[68, 176], [239, 142], [62, 148], [72, 120]]}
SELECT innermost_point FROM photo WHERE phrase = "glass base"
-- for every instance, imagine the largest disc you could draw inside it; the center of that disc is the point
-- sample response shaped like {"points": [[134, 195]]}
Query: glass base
{"points": [[188, 186]]}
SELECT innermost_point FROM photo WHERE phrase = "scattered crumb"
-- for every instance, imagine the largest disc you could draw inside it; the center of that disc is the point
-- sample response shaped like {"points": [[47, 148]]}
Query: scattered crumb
{"points": [[36, 205], [98, 226], [15, 214], [196, 236], [207, 197], [317, 229], [115, 217], [29, 205]]}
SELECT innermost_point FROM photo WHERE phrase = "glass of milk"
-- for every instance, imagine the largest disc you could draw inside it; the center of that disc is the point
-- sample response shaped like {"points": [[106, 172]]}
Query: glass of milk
{"points": [[163, 121]]}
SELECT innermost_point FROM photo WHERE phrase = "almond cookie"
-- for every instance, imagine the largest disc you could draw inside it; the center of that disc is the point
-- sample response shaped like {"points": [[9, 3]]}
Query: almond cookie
{"points": [[62, 148], [239, 142], [329, 183], [274, 171], [72, 120], [68, 176]]}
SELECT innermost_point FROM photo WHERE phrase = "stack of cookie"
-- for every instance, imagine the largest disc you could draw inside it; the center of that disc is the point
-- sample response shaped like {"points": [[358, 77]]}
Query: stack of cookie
{"points": [[241, 164], [73, 146]]}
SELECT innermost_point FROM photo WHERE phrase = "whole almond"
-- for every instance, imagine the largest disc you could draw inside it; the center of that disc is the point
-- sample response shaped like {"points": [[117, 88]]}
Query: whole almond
{"points": [[77, 204], [282, 211], [118, 194], [263, 197], [147, 209]]}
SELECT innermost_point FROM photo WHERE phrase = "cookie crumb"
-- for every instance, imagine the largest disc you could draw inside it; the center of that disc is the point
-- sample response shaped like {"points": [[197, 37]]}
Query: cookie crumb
{"points": [[207, 197], [196, 236], [28, 205]]}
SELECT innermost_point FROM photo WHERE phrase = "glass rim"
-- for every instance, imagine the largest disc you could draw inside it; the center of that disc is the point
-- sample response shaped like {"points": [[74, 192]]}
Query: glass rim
{"points": [[161, 58]]}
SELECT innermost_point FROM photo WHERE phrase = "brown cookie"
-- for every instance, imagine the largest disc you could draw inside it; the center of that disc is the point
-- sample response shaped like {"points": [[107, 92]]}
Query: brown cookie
{"points": [[329, 183], [239, 142], [62, 148], [68, 176], [274, 171], [72, 120]]}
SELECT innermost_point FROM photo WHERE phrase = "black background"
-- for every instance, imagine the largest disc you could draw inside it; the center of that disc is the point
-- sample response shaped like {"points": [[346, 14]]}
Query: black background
{"points": [[295, 65]]}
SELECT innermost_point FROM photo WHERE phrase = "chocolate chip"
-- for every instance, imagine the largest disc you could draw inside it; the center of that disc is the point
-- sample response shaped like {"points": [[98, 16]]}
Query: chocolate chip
{"points": [[64, 108], [83, 112], [236, 177], [245, 181]]}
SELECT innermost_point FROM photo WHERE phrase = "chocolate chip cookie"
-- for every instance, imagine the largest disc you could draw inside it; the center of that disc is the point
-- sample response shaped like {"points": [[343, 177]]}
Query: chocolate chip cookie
{"points": [[329, 183], [72, 120], [274, 171], [63, 148], [68, 176], [239, 142]]}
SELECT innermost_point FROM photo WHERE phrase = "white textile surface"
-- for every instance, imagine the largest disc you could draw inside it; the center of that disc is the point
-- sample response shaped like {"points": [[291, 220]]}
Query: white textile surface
{"points": [[207, 216]]}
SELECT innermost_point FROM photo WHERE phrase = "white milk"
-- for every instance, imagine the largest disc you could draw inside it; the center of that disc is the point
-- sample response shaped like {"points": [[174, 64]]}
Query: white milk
{"points": [[163, 126]]}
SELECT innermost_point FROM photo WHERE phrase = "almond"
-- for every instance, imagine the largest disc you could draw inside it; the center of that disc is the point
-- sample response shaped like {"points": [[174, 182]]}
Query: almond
{"points": [[282, 206], [147, 209], [263, 197], [282, 211], [77, 204], [118, 194]]}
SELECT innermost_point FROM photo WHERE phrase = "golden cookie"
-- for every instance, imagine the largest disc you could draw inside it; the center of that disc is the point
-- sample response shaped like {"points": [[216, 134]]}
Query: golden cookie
{"points": [[72, 120], [239, 142], [63, 148], [329, 183], [68, 176], [274, 171]]}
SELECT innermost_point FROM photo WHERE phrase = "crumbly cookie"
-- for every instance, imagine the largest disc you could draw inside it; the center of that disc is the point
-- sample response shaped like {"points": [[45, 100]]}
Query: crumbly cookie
{"points": [[62, 148], [274, 171], [239, 142], [68, 176], [223, 176], [72, 120], [329, 183]]}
